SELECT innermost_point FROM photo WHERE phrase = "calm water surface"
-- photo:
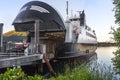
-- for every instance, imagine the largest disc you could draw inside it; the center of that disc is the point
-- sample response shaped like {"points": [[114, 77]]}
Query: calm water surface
{"points": [[105, 54]]}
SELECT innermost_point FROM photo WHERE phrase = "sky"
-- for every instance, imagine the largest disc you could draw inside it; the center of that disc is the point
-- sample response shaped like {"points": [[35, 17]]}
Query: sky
{"points": [[99, 13]]}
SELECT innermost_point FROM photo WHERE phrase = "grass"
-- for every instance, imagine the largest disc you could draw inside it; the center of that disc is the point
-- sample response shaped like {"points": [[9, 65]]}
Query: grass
{"points": [[86, 73], [83, 72]]}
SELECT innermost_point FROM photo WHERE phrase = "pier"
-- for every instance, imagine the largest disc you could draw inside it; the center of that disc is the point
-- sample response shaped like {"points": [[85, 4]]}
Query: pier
{"points": [[7, 60]]}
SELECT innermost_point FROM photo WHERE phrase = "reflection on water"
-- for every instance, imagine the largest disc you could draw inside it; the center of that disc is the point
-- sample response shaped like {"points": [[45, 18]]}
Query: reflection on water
{"points": [[105, 54]]}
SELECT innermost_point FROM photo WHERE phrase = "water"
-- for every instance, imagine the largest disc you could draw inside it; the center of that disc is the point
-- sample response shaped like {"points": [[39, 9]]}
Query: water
{"points": [[104, 56]]}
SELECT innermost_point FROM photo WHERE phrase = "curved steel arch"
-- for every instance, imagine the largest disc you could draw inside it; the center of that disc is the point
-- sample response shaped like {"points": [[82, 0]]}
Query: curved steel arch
{"points": [[48, 16]]}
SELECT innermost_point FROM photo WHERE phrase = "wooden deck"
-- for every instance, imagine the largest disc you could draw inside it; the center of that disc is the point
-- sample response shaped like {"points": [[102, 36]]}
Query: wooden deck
{"points": [[15, 60]]}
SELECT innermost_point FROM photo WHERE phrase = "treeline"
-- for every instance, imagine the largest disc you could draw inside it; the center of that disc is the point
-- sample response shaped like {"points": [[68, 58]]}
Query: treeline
{"points": [[106, 44], [14, 36], [13, 32]]}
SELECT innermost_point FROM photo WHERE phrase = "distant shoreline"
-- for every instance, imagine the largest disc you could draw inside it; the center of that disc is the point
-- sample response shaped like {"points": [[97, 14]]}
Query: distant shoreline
{"points": [[104, 44]]}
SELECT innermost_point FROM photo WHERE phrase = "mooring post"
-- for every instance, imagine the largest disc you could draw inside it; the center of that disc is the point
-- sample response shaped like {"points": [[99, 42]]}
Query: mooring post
{"points": [[37, 44], [1, 37], [36, 49]]}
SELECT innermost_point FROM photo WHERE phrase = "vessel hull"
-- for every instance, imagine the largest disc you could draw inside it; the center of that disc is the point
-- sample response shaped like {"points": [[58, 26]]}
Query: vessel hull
{"points": [[69, 50]]}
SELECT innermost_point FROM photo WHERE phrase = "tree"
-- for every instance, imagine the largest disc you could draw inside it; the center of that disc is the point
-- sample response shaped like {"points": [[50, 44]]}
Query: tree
{"points": [[116, 34], [117, 11]]}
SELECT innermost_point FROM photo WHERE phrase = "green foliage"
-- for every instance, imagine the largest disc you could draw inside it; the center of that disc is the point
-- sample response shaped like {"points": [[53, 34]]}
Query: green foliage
{"points": [[35, 77], [116, 34], [117, 10], [18, 74], [14, 36], [13, 74], [98, 72], [116, 61], [79, 73], [14, 33]]}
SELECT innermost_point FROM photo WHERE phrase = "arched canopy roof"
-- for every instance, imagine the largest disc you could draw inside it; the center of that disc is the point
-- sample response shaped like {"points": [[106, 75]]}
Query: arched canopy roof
{"points": [[37, 10]]}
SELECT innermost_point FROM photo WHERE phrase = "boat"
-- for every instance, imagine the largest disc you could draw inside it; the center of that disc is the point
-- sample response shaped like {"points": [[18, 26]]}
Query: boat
{"points": [[80, 39], [51, 42], [48, 33]]}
